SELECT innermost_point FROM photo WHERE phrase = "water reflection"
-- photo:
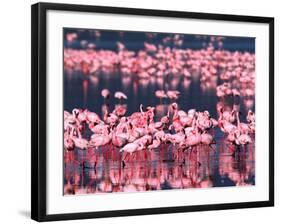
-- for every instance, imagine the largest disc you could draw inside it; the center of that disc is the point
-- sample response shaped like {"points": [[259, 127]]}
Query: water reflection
{"points": [[101, 171]]}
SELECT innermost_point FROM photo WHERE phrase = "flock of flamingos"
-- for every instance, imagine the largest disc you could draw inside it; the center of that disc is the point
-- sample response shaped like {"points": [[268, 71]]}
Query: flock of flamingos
{"points": [[230, 74], [140, 131], [184, 129]]}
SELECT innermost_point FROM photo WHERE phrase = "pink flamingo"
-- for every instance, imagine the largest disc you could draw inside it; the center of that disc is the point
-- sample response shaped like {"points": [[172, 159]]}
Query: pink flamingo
{"points": [[173, 94], [157, 140], [110, 118], [178, 138], [159, 125], [105, 94], [252, 121], [235, 93], [70, 37], [226, 126], [251, 117], [144, 140], [181, 117], [119, 139], [193, 139], [242, 139], [207, 139], [72, 124], [119, 136], [98, 140], [160, 94], [99, 128], [80, 143], [228, 116], [243, 127], [68, 142], [92, 117], [120, 96], [130, 148], [150, 47], [120, 110], [203, 121]]}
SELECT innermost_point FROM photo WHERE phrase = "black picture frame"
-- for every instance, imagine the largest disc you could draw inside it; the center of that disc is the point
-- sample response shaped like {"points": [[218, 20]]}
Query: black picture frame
{"points": [[39, 122]]}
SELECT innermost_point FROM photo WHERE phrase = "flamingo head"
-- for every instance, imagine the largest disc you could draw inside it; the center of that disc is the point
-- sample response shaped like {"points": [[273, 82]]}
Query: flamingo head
{"points": [[150, 108], [130, 125], [141, 108], [207, 113], [174, 106], [221, 123], [123, 119], [165, 120], [75, 112], [250, 112], [237, 133], [191, 112], [108, 129]]}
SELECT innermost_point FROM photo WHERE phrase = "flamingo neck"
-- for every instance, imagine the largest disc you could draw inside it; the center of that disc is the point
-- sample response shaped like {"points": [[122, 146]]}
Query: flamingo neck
{"points": [[193, 123], [141, 108], [238, 119]]}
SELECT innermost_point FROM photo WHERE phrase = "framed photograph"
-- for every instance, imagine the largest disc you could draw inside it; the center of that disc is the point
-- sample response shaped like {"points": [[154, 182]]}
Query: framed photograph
{"points": [[140, 111]]}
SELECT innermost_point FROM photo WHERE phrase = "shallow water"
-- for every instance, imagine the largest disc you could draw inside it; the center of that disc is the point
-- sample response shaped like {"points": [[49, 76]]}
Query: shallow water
{"points": [[102, 171]]}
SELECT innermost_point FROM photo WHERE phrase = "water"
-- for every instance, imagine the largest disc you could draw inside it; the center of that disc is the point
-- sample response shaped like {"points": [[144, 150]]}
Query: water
{"points": [[160, 169], [102, 170], [135, 40]]}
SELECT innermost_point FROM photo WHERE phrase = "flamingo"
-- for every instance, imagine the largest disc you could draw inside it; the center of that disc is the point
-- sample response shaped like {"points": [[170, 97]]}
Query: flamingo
{"points": [[251, 117], [203, 122], [226, 126], [227, 115], [120, 96], [178, 138], [80, 142], [98, 128], [243, 127], [173, 94], [160, 94], [130, 148], [235, 93], [68, 142], [110, 118], [156, 142], [193, 139], [72, 124], [105, 94], [207, 139], [120, 110], [243, 139], [119, 139], [144, 140], [92, 117], [98, 140]]}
